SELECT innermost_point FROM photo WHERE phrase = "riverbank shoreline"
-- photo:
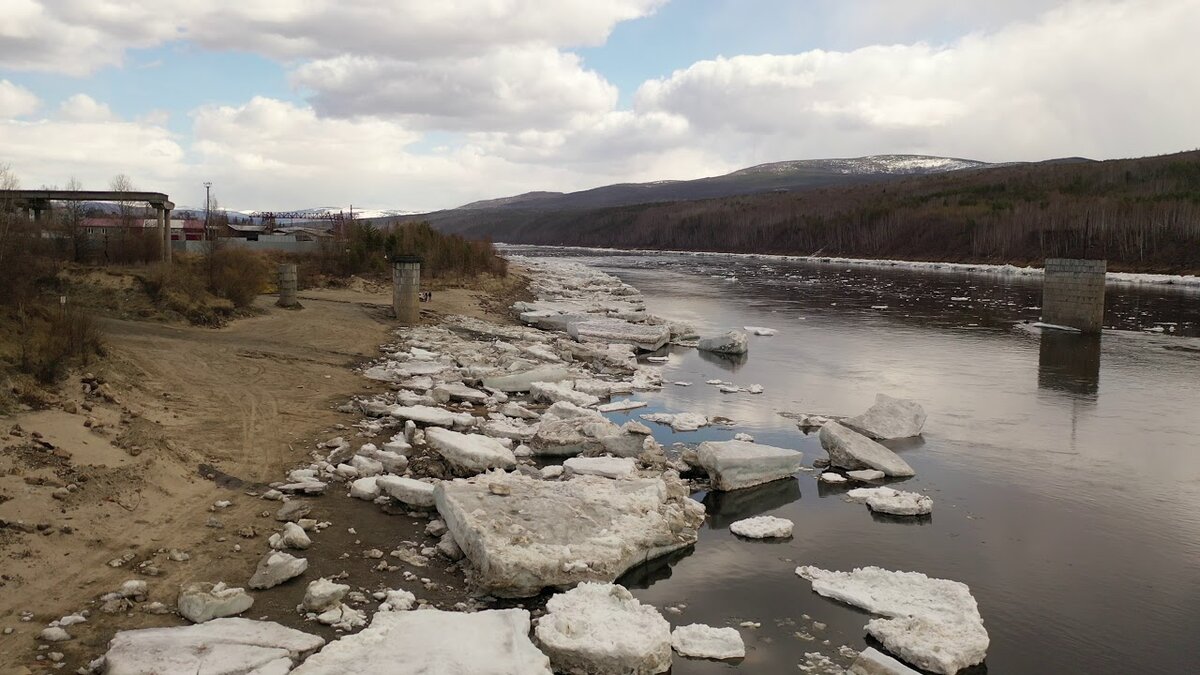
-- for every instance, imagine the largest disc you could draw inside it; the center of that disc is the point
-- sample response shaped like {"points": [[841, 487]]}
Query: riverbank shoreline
{"points": [[1181, 281]]}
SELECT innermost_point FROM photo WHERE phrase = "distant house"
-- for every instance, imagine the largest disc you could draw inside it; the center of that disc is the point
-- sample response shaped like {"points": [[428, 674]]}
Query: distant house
{"points": [[105, 226], [187, 229], [248, 231], [306, 233]]}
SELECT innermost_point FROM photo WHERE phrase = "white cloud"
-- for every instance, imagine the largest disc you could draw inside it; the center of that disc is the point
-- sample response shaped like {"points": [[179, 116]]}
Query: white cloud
{"points": [[17, 101], [275, 154], [80, 36], [525, 87], [84, 108], [1097, 78], [48, 152]]}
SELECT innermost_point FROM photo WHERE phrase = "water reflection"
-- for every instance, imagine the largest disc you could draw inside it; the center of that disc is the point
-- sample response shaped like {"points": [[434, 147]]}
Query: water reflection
{"points": [[726, 507], [653, 571], [926, 519], [1069, 363]]}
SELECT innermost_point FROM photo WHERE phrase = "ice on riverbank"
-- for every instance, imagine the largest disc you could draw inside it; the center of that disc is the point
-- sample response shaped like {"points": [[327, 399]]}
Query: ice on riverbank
{"points": [[469, 453], [201, 601], [220, 646], [933, 624], [601, 629], [491, 642], [524, 534]]}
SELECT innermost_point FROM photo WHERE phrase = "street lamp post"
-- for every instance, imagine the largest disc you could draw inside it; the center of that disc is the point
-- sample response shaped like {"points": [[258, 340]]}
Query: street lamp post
{"points": [[207, 204]]}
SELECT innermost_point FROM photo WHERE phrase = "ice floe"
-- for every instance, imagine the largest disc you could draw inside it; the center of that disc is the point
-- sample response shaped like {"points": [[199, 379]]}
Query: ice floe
{"points": [[933, 624], [889, 418], [733, 465], [851, 450], [762, 527], [524, 534], [706, 642]]}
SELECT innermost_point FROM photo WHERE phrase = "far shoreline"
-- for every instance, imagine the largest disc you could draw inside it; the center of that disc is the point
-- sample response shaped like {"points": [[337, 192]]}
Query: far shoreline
{"points": [[1188, 282]]}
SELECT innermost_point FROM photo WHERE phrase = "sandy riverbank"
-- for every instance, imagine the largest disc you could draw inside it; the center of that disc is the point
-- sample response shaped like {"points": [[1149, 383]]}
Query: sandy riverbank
{"points": [[249, 400]]}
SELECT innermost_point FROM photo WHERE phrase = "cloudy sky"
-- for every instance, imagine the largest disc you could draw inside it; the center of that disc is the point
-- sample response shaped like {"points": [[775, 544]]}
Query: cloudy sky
{"points": [[416, 104]]}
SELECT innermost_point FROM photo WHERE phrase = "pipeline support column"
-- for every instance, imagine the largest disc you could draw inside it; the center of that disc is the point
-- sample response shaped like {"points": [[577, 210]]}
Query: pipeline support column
{"points": [[406, 289], [287, 285]]}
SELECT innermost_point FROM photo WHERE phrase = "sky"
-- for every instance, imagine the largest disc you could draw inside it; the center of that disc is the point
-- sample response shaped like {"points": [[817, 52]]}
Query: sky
{"points": [[417, 105]]}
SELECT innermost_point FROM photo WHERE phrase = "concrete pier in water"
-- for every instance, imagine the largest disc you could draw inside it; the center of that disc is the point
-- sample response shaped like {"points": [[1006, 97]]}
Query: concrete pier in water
{"points": [[1073, 293]]}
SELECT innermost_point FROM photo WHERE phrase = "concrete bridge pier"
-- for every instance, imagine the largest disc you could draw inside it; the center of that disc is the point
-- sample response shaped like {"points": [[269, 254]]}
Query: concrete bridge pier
{"points": [[1073, 293], [287, 285], [406, 289], [164, 229]]}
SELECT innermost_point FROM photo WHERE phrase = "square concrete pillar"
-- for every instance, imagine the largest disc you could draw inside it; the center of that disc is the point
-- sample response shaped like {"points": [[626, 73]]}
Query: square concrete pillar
{"points": [[1073, 293], [287, 285], [166, 235], [406, 289]]}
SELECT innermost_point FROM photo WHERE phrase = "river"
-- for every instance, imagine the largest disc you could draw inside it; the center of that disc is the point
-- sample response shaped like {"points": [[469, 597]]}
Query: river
{"points": [[1065, 471]]}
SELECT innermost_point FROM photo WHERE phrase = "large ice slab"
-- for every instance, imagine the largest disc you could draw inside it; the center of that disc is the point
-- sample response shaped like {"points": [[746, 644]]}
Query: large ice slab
{"points": [[567, 429], [889, 418], [470, 453], [430, 416], [523, 534], [871, 661], [732, 465], [686, 421], [643, 336], [201, 601], [275, 568], [605, 467], [553, 392], [601, 629], [433, 642], [933, 624], [523, 380], [228, 646], [409, 491], [733, 342], [849, 449]]}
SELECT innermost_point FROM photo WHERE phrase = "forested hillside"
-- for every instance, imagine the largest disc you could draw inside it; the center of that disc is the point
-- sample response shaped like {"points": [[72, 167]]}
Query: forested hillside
{"points": [[1141, 214]]}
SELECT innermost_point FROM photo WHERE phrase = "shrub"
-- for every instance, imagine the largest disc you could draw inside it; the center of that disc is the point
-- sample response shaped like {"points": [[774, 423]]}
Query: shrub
{"points": [[53, 340], [238, 275]]}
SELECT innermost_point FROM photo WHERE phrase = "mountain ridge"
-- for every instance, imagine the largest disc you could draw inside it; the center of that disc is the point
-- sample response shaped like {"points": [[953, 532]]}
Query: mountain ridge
{"points": [[769, 177]]}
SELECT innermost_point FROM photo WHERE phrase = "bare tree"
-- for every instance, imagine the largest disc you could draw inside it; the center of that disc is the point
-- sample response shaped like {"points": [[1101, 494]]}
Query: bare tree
{"points": [[9, 219], [72, 222], [123, 183]]}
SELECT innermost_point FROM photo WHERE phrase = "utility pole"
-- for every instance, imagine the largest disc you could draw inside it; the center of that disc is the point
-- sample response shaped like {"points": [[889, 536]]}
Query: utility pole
{"points": [[207, 203]]}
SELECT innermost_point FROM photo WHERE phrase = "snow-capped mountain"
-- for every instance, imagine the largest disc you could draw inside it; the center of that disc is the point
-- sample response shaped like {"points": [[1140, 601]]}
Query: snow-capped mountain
{"points": [[773, 177], [874, 164]]}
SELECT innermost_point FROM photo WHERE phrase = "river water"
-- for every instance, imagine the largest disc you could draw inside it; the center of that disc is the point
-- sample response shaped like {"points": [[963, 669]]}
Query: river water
{"points": [[1065, 471]]}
